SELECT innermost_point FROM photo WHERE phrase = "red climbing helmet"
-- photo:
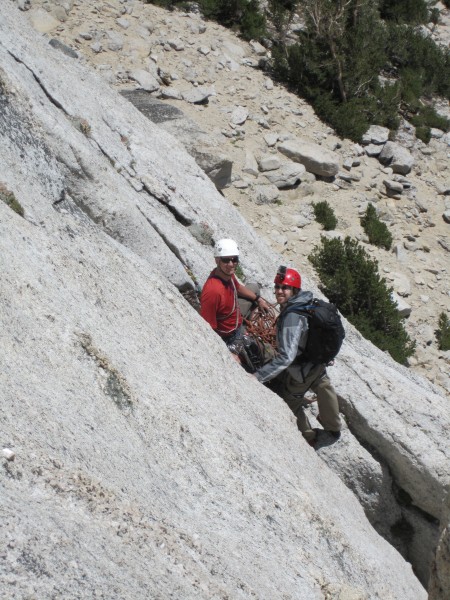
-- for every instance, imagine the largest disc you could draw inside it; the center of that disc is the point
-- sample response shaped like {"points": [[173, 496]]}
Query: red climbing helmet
{"points": [[288, 277]]}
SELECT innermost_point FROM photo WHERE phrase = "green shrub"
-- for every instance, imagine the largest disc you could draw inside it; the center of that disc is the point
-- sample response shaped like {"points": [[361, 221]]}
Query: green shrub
{"points": [[443, 332], [243, 15], [167, 4], [427, 117], [435, 14], [252, 25], [348, 119], [325, 215], [10, 200], [377, 231], [350, 279], [423, 133]]}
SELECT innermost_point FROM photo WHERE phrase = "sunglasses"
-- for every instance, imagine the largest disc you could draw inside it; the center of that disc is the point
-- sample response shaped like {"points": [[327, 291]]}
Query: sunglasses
{"points": [[233, 259], [283, 287]]}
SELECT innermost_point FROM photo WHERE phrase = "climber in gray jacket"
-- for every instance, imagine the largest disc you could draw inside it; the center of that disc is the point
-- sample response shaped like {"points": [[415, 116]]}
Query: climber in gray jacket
{"points": [[289, 375]]}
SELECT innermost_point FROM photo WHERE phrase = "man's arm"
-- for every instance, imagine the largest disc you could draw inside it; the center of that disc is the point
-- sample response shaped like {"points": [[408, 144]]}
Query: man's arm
{"points": [[293, 328], [244, 292]]}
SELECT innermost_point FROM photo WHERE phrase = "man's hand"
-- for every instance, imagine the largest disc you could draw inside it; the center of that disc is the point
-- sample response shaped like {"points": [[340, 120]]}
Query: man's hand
{"points": [[263, 305]]}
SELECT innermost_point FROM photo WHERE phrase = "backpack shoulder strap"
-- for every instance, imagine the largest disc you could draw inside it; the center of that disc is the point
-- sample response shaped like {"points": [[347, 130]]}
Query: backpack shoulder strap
{"points": [[302, 309]]}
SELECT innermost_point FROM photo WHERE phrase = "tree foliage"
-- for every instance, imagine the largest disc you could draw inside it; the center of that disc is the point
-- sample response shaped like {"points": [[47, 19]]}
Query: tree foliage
{"points": [[343, 50], [406, 11], [443, 332], [350, 279], [280, 14], [359, 62], [377, 231]]}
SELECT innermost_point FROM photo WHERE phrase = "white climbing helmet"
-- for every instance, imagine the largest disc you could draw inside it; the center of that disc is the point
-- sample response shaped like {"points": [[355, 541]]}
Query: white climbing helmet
{"points": [[226, 248]]}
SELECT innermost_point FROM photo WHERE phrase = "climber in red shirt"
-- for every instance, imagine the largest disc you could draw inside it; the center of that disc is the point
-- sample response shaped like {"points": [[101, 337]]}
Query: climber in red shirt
{"points": [[224, 301]]}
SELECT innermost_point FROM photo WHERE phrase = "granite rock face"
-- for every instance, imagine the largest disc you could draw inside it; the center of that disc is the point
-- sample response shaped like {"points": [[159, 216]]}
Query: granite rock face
{"points": [[200, 146], [136, 439], [440, 572]]}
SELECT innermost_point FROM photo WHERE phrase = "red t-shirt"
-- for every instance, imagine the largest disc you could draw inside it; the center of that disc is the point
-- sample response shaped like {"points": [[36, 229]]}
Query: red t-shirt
{"points": [[219, 304]]}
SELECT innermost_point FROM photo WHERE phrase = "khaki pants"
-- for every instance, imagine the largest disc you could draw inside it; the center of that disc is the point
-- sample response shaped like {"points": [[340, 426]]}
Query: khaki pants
{"points": [[292, 391]]}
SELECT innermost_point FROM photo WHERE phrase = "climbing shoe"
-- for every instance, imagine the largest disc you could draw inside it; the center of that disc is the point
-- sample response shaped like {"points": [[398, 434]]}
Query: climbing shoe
{"points": [[335, 434]]}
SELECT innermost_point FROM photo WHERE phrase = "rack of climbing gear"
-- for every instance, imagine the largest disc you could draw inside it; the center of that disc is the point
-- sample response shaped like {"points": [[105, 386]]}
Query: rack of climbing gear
{"points": [[262, 325]]}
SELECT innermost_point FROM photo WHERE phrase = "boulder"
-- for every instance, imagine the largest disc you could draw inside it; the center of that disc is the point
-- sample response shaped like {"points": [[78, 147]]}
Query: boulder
{"points": [[373, 149], [400, 253], [114, 41], [269, 162], [239, 115], [123, 23], [250, 165], [398, 158], [376, 135], [401, 284], [96, 47], [66, 4], [198, 95], [176, 44], [235, 51], [315, 158], [444, 189], [436, 133], [271, 139], [287, 176], [59, 13], [257, 48], [265, 194], [170, 93], [42, 21], [403, 308], [393, 187], [216, 165], [145, 80]]}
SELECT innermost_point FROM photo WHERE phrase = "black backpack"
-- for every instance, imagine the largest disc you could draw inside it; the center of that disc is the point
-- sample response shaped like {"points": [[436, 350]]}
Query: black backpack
{"points": [[326, 332]]}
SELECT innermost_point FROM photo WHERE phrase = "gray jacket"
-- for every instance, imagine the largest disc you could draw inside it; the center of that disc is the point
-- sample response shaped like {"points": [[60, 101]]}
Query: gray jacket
{"points": [[291, 340]]}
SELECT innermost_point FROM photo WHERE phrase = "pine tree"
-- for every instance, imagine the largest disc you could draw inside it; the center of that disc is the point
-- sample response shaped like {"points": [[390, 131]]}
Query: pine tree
{"points": [[350, 279]]}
